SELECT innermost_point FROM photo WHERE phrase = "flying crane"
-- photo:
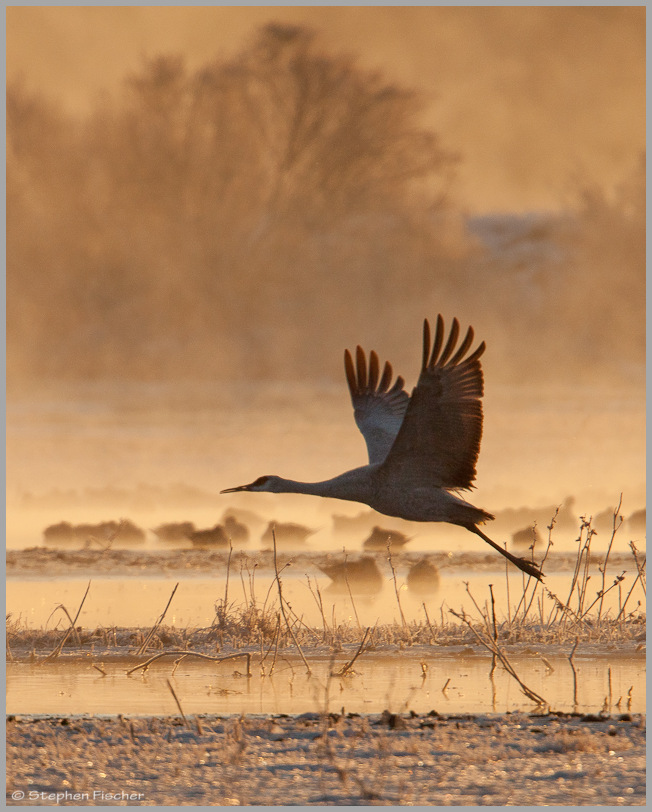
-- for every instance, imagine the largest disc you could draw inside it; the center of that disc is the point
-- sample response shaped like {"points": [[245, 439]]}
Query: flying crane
{"points": [[422, 447]]}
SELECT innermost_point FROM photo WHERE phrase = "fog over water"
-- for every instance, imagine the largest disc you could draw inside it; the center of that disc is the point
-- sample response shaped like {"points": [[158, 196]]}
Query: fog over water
{"points": [[205, 209]]}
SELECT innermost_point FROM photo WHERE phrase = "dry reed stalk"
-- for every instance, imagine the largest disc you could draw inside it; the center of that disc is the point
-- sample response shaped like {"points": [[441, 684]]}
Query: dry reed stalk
{"points": [[176, 699], [640, 567], [348, 586], [190, 653], [320, 605], [535, 586], [509, 610], [221, 610], [583, 588], [143, 648], [432, 633], [603, 568], [275, 642], [578, 561], [640, 576], [540, 605], [273, 582], [242, 581], [252, 582], [581, 583], [524, 597], [347, 668], [600, 597], [228, 573], [299, 621], [396, 590], [281, 600], [525, 584], [581, 573], [482, 614], [495, 630], [550, 527], [493, 647], [334, 642], [493, 611], [621, 613], [55, 653], [572, 665], [70, 620]]}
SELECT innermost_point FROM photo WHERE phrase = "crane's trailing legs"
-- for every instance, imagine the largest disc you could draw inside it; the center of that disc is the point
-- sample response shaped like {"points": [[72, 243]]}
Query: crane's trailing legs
{"points": [[528, 567]]}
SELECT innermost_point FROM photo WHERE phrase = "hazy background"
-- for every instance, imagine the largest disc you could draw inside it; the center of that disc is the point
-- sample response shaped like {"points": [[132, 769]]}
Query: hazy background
{"points": [[205, 202]]}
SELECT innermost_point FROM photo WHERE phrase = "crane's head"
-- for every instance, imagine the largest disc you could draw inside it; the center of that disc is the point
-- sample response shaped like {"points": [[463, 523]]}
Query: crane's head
{"points": [[271, 484]]}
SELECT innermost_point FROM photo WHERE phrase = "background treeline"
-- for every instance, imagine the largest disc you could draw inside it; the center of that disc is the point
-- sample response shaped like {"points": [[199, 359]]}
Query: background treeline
{"points": [[245, 218]]}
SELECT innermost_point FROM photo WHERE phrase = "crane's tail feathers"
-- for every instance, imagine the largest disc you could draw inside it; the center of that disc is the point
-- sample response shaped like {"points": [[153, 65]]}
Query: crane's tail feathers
{"points": [[528, 567]]}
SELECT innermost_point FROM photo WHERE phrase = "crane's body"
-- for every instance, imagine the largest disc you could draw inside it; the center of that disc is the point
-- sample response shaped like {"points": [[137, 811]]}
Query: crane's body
{"points": [[369, 485], [422, 448]]}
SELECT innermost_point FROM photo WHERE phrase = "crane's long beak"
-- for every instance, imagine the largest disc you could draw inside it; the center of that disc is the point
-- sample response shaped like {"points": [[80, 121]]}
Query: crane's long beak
{"points": [[239, 488]]}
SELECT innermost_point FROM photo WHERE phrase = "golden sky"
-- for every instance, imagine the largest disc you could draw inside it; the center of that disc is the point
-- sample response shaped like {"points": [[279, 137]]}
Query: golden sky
{"points": [[532, 97]]}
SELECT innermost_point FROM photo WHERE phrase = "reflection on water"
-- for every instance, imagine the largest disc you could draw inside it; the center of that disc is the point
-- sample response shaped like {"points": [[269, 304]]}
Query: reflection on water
{"points": [[138, 601], [448, 684]]}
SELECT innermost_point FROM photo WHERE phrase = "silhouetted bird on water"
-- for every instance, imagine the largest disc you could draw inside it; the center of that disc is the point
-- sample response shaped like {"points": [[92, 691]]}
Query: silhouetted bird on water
{"points": [[247, 517], [174, 531], [379, 539], [124, 531], [361, 576], [211, 537], [527, 537], [421, 447], [636, 522], [603, 522], [60, 533], [423, 578], [236, 531], [287, 534], [567, 518]]}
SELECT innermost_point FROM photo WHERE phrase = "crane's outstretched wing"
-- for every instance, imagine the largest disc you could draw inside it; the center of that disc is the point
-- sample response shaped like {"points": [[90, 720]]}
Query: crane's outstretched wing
{"points": [[439, 440], [377, 408]]}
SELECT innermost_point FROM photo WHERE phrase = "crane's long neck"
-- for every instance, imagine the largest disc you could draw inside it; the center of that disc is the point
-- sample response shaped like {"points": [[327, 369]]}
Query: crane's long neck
{"points": [[355, 486]]}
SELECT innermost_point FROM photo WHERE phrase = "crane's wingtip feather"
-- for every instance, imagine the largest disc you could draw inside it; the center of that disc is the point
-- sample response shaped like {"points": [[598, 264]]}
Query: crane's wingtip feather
{"points": [[361, 363]]}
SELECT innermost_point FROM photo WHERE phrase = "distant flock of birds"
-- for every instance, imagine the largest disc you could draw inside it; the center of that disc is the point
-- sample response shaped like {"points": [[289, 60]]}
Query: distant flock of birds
{"points": [[360, 575], [236, 528], [233, 529]]}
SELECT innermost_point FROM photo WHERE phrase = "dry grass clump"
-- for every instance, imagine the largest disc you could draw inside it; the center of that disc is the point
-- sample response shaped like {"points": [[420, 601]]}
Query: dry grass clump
{"points": [[579, 612]]}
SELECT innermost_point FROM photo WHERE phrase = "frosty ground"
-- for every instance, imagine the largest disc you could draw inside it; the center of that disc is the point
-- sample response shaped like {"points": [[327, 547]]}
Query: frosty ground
{"points": [[328, 759]]}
